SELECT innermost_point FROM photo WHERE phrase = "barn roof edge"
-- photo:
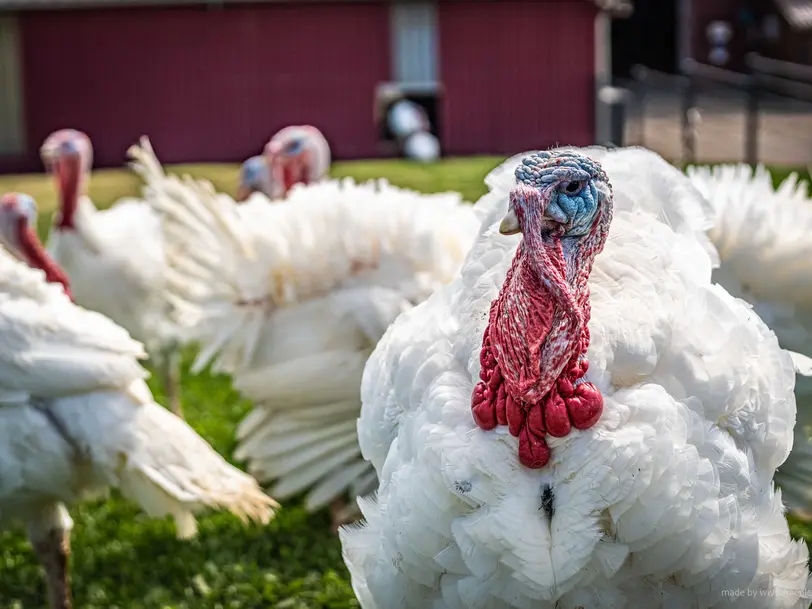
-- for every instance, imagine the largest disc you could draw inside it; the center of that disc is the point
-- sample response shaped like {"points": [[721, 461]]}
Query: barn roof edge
{"points": [[618, 8]]}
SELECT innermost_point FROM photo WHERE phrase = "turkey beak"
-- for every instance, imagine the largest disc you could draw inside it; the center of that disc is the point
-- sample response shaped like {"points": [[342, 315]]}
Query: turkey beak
{"points": [[243, 192], [510, 223]]}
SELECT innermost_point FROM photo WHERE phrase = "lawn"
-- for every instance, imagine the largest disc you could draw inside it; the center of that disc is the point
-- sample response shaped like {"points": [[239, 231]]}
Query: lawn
{"points": [[122, 560]]}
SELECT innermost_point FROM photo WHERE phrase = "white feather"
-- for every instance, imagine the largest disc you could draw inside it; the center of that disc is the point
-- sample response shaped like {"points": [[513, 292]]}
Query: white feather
{"points": [[762, 235], [82, 418]]}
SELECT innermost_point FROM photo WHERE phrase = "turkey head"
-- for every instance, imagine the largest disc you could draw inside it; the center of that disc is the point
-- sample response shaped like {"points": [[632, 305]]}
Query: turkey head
{"points": [[18, 219], [254, 177], [293, 156], [68, 155], [533, 356]]}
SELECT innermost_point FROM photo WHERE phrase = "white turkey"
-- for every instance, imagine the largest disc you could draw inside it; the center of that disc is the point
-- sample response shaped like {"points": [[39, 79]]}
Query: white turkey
{"points": [[409, 123], [290, 298], [113, 257], [255, 179], [764, 239], [422, 146], [405, 118], [581, 420], [77, 418], [298, 154]]}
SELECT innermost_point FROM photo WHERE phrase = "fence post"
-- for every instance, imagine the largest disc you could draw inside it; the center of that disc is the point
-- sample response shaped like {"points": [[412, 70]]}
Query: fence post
{"points": [[688, 127], [751, 120], [640, 75]]}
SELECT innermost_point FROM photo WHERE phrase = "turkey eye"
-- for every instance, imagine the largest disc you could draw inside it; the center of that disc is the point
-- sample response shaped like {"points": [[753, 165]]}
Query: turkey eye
{"points": [[572, 187]]}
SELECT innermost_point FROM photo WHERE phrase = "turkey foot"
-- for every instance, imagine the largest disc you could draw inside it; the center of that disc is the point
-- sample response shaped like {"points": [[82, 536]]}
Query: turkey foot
{"points": [[342, 513], [53, 551]]}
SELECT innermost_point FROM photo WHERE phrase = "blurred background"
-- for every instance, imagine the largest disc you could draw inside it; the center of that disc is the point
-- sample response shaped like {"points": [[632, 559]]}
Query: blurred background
{"points": [[210, 81], [718, 80]]}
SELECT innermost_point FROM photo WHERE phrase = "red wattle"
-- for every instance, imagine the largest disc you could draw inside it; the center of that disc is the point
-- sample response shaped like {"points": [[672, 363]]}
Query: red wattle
{"points": [[565, 388], [501, 405], [483, 409], [533, 450], [556, 417], [586, 406], [535, 421], [515, 416]]}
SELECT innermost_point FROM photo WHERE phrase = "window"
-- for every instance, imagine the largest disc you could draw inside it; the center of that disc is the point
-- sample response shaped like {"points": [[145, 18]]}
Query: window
{"points": [[414, 65], [414, 41]]}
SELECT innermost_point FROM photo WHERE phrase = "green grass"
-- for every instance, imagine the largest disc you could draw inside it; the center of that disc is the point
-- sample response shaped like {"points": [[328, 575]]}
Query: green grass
{"points": [[109, 185], [123, 560]]}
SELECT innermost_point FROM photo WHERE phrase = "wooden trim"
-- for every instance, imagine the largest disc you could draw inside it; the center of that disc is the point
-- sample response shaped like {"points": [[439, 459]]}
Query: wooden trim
{"points": [[12, 133], [618, 8]]}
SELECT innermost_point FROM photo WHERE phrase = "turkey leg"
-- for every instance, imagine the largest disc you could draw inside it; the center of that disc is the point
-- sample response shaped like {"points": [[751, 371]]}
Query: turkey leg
{"points": [[50, 537], [171, 376], [343, 512]]}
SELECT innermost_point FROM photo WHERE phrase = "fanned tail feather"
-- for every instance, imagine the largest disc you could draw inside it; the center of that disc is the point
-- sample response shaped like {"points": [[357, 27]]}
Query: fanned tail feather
{"points": [[302, 432], [802, 363], [144, 162], [762, 235], [290, 298], [206, 243], [185, 475]]}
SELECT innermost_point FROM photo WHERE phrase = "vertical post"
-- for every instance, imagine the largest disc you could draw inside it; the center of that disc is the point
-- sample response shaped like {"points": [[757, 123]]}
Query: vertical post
{"points": [[688, 127], [685, 28], [603, 73], [640, 76], [12, 103], [751, 119]]}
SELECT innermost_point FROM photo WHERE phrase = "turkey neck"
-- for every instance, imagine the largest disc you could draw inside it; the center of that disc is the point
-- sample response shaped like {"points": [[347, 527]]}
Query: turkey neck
{"points": [[36, 256], [539, 324], [69, 180]]}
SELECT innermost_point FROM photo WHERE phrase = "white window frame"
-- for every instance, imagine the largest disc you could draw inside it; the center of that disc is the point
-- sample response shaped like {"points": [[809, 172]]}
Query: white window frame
{"points": [[414, 39]]}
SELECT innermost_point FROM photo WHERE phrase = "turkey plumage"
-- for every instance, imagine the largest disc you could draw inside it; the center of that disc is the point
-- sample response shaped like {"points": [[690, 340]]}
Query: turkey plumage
{"points": [[289, 298], [77, 418], [512, 494], [762, 234]]}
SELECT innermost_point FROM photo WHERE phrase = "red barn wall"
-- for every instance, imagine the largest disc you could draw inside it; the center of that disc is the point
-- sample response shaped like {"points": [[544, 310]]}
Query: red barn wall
{"points": [[517, 75], [205, 85]]}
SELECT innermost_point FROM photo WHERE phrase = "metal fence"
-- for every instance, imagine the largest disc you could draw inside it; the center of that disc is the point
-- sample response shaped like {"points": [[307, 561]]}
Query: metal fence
{"points": [[710, 114]]}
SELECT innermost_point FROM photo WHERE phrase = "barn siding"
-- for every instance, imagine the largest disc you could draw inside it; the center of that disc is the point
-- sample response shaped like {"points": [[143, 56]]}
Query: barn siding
{"points": [[516, 75], [205, 85]]}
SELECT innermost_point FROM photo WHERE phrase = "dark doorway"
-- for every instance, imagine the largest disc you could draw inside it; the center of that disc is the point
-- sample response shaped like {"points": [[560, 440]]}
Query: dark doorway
{"points": [[647, 37]]}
